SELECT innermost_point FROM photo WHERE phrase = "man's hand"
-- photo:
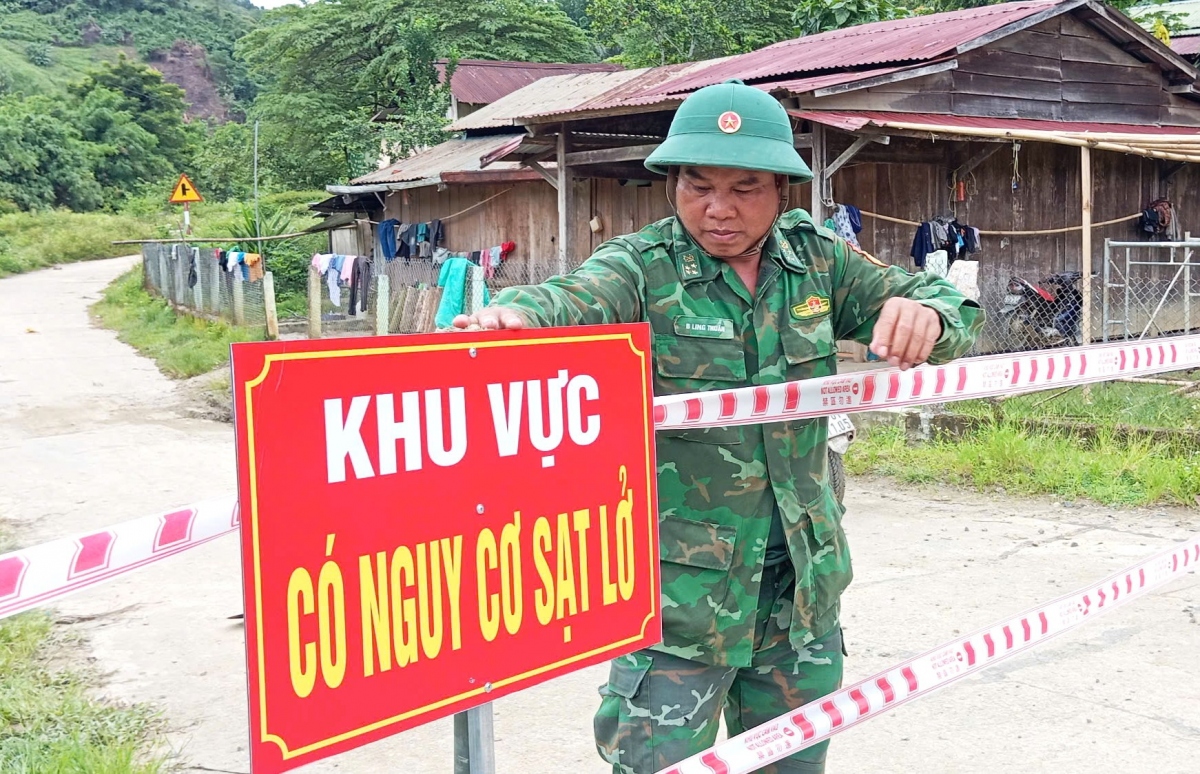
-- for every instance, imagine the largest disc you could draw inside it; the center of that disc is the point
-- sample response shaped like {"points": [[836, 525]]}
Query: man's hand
{"points": [[906, 332], [492, 318]]}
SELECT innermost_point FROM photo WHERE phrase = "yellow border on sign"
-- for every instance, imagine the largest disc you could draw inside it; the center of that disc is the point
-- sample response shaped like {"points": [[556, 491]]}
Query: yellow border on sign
{"points": [[268, 361]]}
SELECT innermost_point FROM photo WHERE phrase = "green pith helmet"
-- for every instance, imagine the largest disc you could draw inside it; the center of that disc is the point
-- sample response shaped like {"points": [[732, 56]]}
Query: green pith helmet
{"points": [[731, 125]]}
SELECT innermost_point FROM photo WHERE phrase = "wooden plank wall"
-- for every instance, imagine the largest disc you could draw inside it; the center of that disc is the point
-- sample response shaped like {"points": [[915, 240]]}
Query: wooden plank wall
{"points": [[1061, 70], [527, 213], [523, 212]]}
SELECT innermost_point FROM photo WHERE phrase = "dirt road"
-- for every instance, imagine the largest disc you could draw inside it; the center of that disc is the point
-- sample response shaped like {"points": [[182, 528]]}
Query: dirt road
{"points": [[91, 434]]}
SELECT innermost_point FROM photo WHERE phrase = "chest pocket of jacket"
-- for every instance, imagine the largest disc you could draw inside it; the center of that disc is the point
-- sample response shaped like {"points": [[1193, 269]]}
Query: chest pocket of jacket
{"points": [[696, 363], [806, 345]]}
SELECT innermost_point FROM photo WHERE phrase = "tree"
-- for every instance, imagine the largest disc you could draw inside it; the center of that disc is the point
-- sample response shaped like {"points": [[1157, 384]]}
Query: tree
{"points": [[225, 163], [656, 32], [326, 70], [126, 157], [154, 105], [44, 162], [814, 16]]}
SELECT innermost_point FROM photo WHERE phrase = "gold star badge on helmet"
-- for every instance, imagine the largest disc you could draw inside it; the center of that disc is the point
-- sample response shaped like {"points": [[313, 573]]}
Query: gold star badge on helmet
{"points": [[729, 122]]}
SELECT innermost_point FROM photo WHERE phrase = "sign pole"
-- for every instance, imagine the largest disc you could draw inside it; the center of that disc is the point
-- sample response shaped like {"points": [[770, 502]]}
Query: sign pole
{"points": [[474, 741], [187, 220]]}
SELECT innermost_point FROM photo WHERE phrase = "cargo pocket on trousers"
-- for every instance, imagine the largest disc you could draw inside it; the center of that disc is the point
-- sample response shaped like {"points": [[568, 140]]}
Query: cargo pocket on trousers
{"points": [[619, 739], [828, 551], [696, 559]]}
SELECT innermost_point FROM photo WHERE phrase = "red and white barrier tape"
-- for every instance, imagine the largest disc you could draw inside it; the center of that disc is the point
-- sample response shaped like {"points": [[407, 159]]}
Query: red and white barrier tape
{"points": [[35, 576], [977, 377], [938, 668]]}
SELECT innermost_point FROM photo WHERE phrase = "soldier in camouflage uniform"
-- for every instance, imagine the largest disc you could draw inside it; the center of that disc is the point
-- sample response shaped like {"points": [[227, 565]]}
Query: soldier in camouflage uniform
{"points": [[739, 292]]}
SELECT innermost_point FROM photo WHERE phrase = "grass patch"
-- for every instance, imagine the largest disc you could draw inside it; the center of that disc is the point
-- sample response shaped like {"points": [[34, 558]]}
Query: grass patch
{"points": [[1004, 455], [1110, 403], [35, 240], [50, 724], [181, 345], [70, 63]]}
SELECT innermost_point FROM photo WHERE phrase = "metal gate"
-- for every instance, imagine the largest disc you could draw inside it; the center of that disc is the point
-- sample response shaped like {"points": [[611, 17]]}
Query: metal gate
{"points": [[1150, 289]]}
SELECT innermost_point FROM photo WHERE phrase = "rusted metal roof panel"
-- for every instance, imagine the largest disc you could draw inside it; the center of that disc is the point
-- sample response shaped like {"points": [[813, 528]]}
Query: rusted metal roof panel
{"points": [[916, 39], [450, 156], [482, 81], [813, 82], [1187, 46], [556, 94]]}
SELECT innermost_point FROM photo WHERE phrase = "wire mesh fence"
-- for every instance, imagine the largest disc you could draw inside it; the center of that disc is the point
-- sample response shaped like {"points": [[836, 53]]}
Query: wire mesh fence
{"points": [[1156, 294], [194, 278], [425, 296], [1153, 293]]}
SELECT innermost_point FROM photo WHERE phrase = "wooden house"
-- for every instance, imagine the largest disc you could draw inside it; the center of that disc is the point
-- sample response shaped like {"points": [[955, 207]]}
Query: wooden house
{"points": [[1027, 120]]}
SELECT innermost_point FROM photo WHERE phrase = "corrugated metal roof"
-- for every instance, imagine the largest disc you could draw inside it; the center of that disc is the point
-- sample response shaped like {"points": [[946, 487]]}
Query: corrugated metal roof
{"points": [[1187, 46], [853, 120], [450, 156], [483, 81], [556, 94], [903, 42], [814, 82], [1187, 11], [916, 39]]}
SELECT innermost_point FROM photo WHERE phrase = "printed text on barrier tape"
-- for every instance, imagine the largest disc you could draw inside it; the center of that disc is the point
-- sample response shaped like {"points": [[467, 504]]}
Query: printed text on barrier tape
{"points": [[977, 377], [40, 574], [938, 668], [35, 576]]}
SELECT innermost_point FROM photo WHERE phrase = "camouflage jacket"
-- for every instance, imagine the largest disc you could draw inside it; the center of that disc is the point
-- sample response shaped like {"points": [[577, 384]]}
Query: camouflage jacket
{"points": [[715, 485]]}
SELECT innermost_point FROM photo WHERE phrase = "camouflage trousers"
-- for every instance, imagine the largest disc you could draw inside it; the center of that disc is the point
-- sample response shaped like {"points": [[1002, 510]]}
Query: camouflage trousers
{"points": [[658, 709]]}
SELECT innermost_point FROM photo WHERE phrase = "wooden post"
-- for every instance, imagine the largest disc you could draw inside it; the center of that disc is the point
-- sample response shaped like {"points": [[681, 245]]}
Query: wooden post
{"points": [[239, 299], [314, 304], [818, 169], [1085, 188], [269, 306], [382, 304], [564, 202]]}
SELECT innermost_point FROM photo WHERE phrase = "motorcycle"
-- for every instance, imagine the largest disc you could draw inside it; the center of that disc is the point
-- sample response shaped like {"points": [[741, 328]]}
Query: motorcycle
{"points": [[1046, 315]]}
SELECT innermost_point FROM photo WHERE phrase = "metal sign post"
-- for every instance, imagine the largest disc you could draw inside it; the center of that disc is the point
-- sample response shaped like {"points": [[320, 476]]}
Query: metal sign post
{"points": [[474, 741]]}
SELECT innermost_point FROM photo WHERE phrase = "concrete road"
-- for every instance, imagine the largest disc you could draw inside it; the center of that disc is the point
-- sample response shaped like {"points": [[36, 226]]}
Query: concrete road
{"points": [[92, 434]]}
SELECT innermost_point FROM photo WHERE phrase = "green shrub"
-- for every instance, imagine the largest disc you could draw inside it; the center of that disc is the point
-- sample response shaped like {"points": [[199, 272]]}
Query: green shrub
{"points": [[38, 55]]}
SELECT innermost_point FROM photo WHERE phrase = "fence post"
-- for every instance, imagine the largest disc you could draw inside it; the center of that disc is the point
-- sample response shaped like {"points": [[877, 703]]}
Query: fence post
{"points": [[269, 306], [162, 274], [239, 299], [314, 304], [147, 284], [382, 304]]}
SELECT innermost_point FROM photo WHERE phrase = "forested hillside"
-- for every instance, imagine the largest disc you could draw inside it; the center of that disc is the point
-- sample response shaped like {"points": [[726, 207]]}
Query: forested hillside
{"points": [[102, 101]]}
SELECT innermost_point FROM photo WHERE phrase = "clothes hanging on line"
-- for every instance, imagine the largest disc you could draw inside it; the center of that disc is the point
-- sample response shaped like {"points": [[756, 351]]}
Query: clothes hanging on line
{"points": [[1160, 219], [386, 232], [360, 282], [844, 219], [457, 274], [341, 270], [236, 260], [418, 240], [947, 234]]}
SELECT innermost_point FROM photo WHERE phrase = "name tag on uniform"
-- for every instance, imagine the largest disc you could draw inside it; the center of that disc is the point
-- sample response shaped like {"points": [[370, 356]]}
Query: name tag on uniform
{"points": [[704, 327]]}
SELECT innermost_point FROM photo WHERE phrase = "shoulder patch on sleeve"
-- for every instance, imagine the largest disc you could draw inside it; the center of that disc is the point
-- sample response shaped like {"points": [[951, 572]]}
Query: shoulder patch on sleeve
{"points": [[870, 258]]}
